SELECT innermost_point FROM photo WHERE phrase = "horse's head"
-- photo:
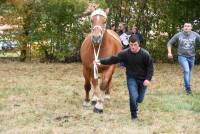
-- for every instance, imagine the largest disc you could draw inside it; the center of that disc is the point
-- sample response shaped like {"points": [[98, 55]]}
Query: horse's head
{"points": [[98, 25]]}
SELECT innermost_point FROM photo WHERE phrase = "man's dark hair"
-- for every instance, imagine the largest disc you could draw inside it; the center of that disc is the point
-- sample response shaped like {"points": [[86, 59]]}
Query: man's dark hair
{"points": [[112, 25], [133, 39]]}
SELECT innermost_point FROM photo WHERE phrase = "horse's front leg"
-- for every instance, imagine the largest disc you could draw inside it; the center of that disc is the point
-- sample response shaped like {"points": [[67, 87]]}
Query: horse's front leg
{"points": [[87, 86], [95, 95], [97, 99], [106, 77]]}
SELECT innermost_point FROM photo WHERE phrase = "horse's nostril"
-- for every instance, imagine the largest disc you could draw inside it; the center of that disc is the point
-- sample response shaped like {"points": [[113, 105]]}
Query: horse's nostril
{"points": [[96, 39]]}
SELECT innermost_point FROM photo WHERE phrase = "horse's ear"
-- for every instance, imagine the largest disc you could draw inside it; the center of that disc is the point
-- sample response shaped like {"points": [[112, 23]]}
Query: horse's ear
{"points": [[90, 9], [107, 10]]}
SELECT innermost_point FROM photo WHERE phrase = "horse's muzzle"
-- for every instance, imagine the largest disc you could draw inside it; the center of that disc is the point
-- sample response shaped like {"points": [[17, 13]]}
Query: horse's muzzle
{"points": [[96, 39]]}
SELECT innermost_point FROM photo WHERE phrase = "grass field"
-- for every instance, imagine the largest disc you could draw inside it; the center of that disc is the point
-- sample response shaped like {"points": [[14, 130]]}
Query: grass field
{"points": [[47, 98]]}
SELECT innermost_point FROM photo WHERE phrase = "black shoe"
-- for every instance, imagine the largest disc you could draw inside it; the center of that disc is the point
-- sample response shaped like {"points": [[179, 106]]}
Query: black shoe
{"points": [[134, 116], [188, 92]]}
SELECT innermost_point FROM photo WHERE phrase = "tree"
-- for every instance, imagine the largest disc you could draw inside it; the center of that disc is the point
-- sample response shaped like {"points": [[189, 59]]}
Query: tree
{"points": [[53, 24]]}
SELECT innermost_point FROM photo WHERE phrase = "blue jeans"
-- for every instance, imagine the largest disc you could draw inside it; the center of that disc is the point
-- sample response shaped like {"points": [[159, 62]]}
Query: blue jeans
{"points": [[187, 64], [136, 93]]}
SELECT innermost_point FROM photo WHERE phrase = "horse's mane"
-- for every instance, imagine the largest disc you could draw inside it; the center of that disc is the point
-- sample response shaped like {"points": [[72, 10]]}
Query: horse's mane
{"points": [[98, 12]]}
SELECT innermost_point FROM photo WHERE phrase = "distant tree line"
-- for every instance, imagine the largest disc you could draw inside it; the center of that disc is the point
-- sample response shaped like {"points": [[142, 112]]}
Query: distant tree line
{"points": [[58, 27]]}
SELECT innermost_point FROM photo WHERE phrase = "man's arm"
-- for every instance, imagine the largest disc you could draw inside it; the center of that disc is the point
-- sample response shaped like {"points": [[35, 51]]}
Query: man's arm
{"points": [[170, 56], [112, 59], [171, 42], [150, 69], [149, 64], [198, 38]]}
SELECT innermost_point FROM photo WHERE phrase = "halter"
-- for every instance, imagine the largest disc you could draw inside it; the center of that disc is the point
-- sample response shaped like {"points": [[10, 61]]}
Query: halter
{"points": [[101, 13], [96, 53], [102, 28]]}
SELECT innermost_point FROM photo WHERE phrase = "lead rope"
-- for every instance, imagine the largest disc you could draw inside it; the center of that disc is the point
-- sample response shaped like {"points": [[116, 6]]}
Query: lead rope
{"points": [[96, 56]]}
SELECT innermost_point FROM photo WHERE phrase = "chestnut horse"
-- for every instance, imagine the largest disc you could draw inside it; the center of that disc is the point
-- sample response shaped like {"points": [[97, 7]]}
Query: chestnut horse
{"points": [[99, 43]]}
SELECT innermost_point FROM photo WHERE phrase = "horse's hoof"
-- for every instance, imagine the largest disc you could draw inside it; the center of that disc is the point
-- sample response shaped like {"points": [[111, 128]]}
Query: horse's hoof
{"points": [[86, 104], [96, 110], [93, 102]]}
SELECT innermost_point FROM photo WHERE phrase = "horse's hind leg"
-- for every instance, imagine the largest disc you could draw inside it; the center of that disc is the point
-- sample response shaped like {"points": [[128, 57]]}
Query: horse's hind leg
{"points": [[97, 97], [106, 80], [107, 92], [98, 108], [87, 87]]}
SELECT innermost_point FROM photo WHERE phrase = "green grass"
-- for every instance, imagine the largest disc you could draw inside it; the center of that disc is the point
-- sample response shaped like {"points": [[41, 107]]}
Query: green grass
{"points": [[174, 102], [47, 98], [9, 54]]}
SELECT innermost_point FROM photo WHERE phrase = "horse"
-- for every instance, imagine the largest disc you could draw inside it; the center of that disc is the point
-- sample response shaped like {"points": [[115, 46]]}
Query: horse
{"points": [[99, 43]]}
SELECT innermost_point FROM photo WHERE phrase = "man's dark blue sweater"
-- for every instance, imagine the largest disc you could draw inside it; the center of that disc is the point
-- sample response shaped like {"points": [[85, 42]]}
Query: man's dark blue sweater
{"points": [[138, 65]]}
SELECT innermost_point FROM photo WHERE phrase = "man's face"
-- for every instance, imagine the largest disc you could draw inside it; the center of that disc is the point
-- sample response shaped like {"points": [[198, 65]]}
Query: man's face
{"points": [[187, 27], [134, 47], [134, 30], [121, 27]]}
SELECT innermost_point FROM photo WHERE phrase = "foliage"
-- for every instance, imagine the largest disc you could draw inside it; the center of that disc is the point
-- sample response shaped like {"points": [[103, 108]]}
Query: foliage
{"points": [[157, 17], [59, 29], [53, 24]]}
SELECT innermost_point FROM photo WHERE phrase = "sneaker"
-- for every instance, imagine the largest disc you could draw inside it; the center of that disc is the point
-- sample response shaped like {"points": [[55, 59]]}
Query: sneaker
{"points": [[188, 92], [134, 116]]}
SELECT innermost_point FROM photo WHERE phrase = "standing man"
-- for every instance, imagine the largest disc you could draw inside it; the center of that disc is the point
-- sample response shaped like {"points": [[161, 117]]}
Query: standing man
{"points": [[186, 40], [139, 71], [123, 35], [136, 32]]}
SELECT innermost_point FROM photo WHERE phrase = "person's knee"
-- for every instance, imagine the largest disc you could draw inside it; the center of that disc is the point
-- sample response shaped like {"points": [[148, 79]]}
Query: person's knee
{"points": [[186, 71], [133, 97]]}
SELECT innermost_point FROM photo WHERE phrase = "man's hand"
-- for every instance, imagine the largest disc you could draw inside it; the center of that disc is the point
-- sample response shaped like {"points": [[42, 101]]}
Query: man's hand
{"points": [[170, 56], [146, 82], [97, 62]]}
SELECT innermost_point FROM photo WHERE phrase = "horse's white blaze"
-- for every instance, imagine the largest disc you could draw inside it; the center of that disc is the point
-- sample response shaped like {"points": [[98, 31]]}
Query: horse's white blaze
{"points": [[98, 17]]}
